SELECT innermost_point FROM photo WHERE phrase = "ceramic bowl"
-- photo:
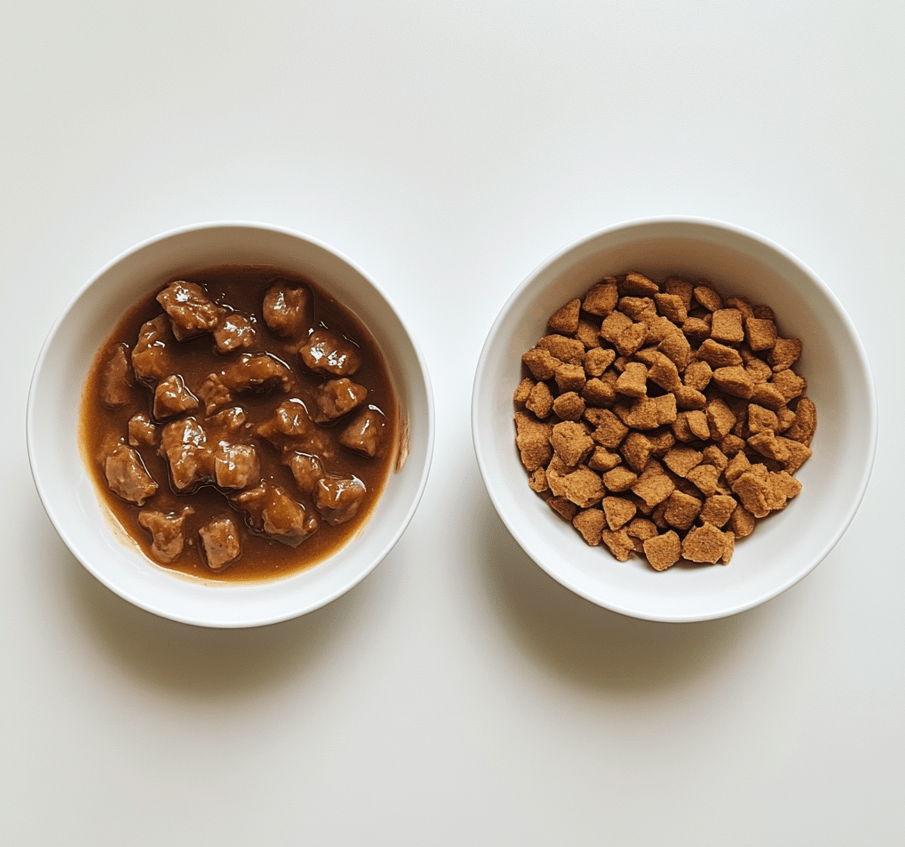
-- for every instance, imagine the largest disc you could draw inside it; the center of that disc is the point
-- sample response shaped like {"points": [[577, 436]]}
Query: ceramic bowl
{"points": [[70, 497], [784, 547]]}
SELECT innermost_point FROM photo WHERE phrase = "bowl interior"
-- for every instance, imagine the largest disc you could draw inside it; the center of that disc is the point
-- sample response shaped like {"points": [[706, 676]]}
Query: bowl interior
{"points": [[69, 495], [785, 546]]}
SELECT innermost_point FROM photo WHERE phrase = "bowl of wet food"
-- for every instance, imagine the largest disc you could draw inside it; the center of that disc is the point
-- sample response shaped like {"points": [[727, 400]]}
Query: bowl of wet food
{"points": [[674, 418], [230, 425]]}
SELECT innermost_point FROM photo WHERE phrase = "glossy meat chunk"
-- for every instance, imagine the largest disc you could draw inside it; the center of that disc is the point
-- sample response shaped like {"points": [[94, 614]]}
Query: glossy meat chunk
{"points": [[270, 510], [306, 470], [288, 426], [141, 430], [236, 465], [150, 359], [338, 500], [190, 310], [337, 397], [286, 309], [327, 352], [116, 380], [167, 531], [127, 476], [365, 434], [234, 332], [220, 542], [184, 445], [171, 397]]}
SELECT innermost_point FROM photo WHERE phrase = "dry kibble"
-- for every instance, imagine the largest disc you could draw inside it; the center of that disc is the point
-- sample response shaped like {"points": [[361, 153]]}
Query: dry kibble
{"points": [[660, 419]]}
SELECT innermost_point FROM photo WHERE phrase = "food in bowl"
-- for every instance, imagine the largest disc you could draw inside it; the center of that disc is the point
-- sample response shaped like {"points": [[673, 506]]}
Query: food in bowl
{"points": [[660, 419], [239, 423]]}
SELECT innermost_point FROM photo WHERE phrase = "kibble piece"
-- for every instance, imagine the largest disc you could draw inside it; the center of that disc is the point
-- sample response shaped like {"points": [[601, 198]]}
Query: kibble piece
{"points": [[653, 486], [761, 419], [597, 360], [636, 450], [785, 353], [718, 355], [727, 326], [682, 289], [610, 430], [797, 454], [704, 544], [768, 395], [754, 493], [738, 465], [671, 306], [584, 487], [619, 544], [638, 308], [716, 457], [602, 460], [569, 406], [805, 424], [741, 304], [599, 392], [728, 547], [742, 522], [785, 417], [588, 333], [533, 441], [681, 510], [663, 551], [537, 481], [566, 509], [758, 369], [614, 324], [680, 460], [565, 321], [698, 375], [681, 429], [618, 510], [696, 328], [569, 350], [662, 441], [663, 371], [633, 380], [540, 400], [689, 398], [602, 297], [523, 392], [556, 472], [720, 419], [697, 423], [642, 528], [706, 295], [717, 509], [677, 348], [735, 381], [542, 363], [760, 334], [619, 479], [767, 444], [639, 285], [648, 412], [705, 478], [789, 384], [570, 377], [631, 339], [571, 442], [590, 523]]}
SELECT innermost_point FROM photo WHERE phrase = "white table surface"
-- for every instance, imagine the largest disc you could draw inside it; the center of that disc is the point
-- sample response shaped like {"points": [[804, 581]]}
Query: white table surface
{"points": [[458, 695]]}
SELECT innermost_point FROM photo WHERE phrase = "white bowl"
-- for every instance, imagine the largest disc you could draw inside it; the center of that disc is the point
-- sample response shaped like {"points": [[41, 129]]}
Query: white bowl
{"points": [[70, 497], [785, 547]]}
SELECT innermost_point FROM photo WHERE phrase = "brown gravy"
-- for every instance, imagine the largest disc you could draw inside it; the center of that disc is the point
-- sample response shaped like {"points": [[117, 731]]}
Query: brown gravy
{"points": [[106, 413]]}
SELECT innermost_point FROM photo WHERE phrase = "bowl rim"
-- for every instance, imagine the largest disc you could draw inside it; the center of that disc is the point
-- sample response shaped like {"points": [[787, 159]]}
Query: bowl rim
{"points": [[33, 448], [691, 222]]}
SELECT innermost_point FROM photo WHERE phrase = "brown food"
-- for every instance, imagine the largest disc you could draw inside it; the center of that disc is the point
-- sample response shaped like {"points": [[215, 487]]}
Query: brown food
{"points": [[222, 427], [669, 401]]}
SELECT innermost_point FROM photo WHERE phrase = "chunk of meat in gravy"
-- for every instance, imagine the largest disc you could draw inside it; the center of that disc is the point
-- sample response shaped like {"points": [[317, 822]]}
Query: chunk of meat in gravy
{"points": [[234, 332], [306, 470], [227, 423], [220, 542], [167, 532], [288, 426], [127, 476], [365, 433], [141, 430], [190, 310], [338, 500], [337, 397], [236, 465], [257, 372], [184, 445], [150, 359], [171, 397], [272, 511], [286, 309], [327, 352], [116, 379]]}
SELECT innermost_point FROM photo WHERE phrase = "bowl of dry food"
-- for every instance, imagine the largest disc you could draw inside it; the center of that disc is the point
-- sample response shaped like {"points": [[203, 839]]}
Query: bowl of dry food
{"points": [[674, 418], [230, 425]]}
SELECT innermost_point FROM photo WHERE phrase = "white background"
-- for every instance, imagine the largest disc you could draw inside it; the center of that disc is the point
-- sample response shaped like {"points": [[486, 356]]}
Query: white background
{"points": [[458, 695]]}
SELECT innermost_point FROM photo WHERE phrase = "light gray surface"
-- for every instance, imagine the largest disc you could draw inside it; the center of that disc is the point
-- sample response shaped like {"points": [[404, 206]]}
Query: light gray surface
{"points": [[458, 696]]}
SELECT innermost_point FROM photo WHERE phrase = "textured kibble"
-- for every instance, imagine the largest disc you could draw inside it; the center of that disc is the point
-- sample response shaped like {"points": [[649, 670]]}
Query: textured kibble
{"points": [[660, 419]]}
